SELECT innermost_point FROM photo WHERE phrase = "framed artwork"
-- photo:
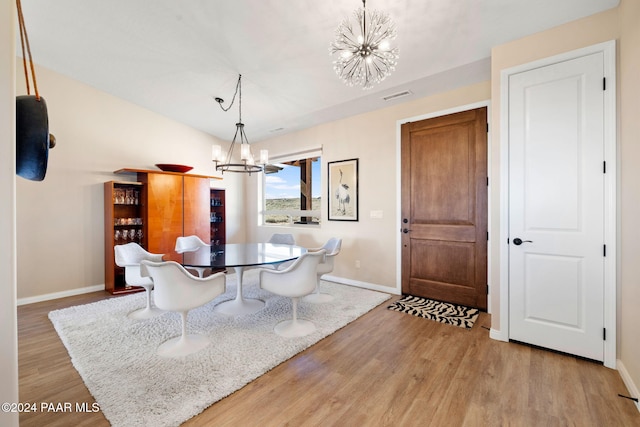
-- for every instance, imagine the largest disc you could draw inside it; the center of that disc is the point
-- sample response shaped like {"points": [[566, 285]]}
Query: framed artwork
{"points": [[343, 190]]}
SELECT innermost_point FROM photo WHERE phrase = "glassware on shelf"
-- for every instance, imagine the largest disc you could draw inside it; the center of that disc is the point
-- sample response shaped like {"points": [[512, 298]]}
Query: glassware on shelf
{"points": [[118, 196], [127, 221], [126, 196]]}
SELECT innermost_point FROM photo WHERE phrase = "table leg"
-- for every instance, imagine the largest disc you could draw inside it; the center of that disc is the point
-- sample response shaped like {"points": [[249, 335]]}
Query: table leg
{"points": [[239, 305]]}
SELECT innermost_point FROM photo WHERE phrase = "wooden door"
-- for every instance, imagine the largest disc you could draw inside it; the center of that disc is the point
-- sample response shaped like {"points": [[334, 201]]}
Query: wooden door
{"points": [[444, 208], [164, 213], [556, 206]]}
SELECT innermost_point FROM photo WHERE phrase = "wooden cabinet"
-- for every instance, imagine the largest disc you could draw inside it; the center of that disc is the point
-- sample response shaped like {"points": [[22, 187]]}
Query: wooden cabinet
{"points": [[177, 205], [196, 207], [170, 205], [217, 218], [124, 222]]}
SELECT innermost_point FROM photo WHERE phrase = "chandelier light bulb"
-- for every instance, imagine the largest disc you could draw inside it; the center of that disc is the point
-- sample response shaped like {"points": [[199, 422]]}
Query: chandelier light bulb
{"points": [[245, 152], [264, 157], [216, 153]]}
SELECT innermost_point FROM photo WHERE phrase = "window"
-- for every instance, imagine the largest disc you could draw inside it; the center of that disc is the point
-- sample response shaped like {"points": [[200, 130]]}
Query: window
{"points": [[292, 192]]}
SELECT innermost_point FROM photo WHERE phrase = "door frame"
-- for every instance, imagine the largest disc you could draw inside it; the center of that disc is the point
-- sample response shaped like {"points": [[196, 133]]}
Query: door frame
{"points": [[399, 123], [610, 192]]}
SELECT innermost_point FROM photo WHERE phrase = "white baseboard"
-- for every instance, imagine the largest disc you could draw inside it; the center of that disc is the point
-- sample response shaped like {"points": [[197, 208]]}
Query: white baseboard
{"points": [[498, 335], [628, 382], [62, 294], [359, 284], [96, 288]]}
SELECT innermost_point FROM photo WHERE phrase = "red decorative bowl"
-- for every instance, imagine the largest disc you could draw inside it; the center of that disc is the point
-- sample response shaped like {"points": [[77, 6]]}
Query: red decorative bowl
{"points": [[167, 167]]}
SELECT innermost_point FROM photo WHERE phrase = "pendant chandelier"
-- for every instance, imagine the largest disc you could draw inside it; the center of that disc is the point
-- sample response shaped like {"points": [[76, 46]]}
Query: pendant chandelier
{"points": [[364, 53], [248, 163]]}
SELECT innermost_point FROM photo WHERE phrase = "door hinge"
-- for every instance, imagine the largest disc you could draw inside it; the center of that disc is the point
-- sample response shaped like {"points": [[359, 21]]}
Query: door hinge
{"points": [[604, 334], [487, 181], [604, 167], [487, 289], [487, 236], [604, 83], [604, 250], [487, 127]]}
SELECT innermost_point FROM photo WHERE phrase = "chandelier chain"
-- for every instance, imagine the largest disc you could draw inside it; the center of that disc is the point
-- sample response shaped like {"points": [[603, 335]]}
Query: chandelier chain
{"points": [[238, 89]]}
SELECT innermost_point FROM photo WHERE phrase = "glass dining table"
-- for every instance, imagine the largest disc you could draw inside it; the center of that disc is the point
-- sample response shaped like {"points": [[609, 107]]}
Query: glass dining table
{"points": [[240, 256]]}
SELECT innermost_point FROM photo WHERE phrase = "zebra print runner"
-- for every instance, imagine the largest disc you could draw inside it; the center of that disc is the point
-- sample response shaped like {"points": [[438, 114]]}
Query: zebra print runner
{"points": [[442, 312]]}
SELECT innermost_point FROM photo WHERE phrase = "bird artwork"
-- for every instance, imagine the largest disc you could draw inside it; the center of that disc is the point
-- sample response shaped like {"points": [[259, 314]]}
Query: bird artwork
{"points": [[342, 195]]}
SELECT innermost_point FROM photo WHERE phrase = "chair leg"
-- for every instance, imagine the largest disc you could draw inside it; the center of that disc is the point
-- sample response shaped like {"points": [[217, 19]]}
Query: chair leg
{"points": [[183, 316], [318, 297], [294, 327], [147, 312], [198, 271], [184, 344]]}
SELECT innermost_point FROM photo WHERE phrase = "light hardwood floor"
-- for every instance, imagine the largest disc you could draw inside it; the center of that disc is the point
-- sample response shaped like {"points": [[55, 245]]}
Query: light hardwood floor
{"points": [[384, 369]]}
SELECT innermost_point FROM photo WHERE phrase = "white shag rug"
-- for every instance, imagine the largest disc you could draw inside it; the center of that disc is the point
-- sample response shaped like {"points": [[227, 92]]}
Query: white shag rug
{"points": [[116, 356]]}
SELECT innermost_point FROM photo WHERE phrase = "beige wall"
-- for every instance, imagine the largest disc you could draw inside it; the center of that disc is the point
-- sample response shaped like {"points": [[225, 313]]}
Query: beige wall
{"points": [[60, 220], [629, 154], [8, 320], [373, 139]]}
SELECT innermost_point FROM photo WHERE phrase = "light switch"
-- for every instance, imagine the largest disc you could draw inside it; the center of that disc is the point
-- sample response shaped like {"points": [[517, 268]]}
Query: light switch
{"points": [[375, 214]]}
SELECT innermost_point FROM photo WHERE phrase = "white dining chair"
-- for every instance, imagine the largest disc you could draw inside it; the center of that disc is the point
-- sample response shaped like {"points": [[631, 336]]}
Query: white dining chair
{"points": [[332, 248], [179, 291], [281, 239], [296, 281], [191, 244], [129, 256]]}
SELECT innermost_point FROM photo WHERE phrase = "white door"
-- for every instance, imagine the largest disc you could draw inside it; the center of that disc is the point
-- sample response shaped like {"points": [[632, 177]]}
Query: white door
{"points": [[556, 206]]}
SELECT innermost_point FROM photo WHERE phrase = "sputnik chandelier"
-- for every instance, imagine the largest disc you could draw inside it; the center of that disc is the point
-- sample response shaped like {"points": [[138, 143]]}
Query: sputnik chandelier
{"points": [[248, 164], [364, 52]]}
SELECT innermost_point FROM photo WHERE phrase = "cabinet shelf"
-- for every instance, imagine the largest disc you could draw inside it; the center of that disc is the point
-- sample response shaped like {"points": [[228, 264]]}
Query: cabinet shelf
{"points": [[217, 214], [116, 212]]}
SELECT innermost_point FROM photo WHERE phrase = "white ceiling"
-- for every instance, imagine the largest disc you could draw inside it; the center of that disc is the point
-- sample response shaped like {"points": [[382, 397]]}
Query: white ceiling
{"points": [[174, 57]]}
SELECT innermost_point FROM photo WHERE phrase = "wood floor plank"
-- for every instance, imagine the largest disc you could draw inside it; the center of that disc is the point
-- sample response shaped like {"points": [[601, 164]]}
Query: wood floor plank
{"points": [[384, 369]]}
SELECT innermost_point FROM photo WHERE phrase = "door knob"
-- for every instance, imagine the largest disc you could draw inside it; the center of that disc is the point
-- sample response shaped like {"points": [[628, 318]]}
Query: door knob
{"points": [[405, 230], [518, 241]]}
